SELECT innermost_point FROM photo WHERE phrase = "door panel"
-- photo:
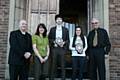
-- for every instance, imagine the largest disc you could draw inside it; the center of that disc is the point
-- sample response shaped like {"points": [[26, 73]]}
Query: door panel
{"points": [[53, 5], [42, 11], [44, 5], [34, 4]]}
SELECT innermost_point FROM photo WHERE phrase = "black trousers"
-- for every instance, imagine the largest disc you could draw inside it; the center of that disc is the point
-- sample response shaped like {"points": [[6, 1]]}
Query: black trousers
{"points": [[78, 65], [18, 72], [57, 56], [97, 62], [41, 70]]}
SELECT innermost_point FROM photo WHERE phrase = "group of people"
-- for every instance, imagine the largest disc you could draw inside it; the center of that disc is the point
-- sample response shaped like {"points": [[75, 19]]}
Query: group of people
{"points": [[55, 45]]}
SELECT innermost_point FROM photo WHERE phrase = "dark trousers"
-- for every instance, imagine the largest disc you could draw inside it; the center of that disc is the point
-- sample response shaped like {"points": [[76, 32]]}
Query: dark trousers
{"points": [[97, 62], [78, 64], [41, 70], [18, 72], [57, 55]]}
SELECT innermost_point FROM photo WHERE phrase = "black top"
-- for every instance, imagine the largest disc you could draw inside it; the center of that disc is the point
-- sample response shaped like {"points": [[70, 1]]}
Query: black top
{"points": [[65, 37], [19, 44], [103, 39]]}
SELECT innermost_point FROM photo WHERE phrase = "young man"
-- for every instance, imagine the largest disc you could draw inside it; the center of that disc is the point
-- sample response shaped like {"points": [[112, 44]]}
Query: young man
{"points": [[59, 44], [20, 52], [98, 46]]}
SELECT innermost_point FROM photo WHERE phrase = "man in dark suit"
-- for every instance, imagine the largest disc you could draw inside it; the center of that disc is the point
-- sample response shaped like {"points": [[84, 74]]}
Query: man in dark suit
{"points": [[98, 46], [59, 43], [20, 52]]}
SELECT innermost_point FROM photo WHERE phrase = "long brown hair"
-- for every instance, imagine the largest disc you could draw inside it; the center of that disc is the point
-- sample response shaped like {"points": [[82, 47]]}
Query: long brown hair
{"points": [[81, 35], [44, 27]]}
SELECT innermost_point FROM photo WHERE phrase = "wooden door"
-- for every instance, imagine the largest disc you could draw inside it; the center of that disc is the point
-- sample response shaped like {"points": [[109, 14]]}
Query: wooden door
{"points": [[42, 11]]}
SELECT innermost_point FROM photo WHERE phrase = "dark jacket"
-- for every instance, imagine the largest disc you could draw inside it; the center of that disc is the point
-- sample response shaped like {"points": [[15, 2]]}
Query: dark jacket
{"points": [[103, 40], [19, 44], [65, 37]]}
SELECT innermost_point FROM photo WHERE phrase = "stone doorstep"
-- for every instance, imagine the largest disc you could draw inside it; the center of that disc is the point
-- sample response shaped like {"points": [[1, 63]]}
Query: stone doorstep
{"points": [[31, 78]]}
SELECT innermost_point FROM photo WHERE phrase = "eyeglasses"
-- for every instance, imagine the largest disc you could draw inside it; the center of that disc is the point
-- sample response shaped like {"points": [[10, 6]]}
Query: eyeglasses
{"points": [[94, 22]]}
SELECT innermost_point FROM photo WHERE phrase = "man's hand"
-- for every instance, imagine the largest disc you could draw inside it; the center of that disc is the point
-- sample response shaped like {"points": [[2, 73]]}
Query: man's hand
{"points": [[27, 55]]}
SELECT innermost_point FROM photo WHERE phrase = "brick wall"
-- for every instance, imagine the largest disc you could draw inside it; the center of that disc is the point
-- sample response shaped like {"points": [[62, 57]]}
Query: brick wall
{"points": [[114, 18], [4, 15]]}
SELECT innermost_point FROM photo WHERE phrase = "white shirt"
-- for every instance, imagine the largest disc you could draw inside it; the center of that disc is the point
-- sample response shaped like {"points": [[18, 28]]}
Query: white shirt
{"points": [[74, 52], [23, 32], [59, 31]]}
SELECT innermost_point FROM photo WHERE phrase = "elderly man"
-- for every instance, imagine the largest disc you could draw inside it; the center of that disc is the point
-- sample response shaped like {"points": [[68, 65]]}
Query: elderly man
{"points": [[20, 52], [98, 46]]}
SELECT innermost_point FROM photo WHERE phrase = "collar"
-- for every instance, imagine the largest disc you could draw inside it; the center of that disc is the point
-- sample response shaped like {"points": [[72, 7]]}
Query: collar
{"points": [[23, 32], [59, 27]]}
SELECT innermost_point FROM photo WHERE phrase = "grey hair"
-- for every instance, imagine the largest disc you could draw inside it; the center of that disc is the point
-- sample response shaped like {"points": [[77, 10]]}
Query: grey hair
{"points": [[22, 21]]}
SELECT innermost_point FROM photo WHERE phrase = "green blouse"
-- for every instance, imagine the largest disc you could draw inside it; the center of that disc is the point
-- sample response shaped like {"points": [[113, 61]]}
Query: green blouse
{"points": [[41, 44]]}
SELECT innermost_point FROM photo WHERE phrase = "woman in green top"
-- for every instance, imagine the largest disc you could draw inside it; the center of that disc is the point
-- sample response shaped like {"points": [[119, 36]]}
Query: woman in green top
{"points": [[41, 50]]}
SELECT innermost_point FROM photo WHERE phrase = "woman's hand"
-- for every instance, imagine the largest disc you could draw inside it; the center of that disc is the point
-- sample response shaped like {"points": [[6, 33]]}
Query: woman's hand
{"points": [[46, 58], [41, 60]]}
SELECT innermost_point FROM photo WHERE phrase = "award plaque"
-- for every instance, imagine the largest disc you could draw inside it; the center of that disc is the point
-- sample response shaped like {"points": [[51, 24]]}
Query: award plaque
{"points": [[59, 41], [79, 48]]}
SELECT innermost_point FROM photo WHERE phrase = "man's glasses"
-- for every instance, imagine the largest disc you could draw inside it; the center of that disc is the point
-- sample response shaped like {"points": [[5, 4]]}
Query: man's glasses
{"points": [[94, 22]]}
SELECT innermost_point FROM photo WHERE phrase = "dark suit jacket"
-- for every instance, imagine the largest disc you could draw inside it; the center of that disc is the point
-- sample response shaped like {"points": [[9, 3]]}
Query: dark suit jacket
{"points": [[19, 44], [65, 37], [103, 40]]}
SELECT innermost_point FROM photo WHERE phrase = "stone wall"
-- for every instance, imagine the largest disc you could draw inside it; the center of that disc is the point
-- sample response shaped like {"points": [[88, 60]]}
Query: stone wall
{"points": [[4, 18]]}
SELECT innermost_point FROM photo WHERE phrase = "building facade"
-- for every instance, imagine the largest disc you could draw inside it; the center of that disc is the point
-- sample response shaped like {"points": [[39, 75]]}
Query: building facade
{"points": [[74, 12]]}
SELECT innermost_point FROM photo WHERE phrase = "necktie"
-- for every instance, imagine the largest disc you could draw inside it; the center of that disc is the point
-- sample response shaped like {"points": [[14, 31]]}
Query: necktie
{"points": [[95, 38]]}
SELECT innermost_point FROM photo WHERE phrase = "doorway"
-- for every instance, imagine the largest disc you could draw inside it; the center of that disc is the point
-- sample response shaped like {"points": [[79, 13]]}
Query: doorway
{"points": [[74, 13]]}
